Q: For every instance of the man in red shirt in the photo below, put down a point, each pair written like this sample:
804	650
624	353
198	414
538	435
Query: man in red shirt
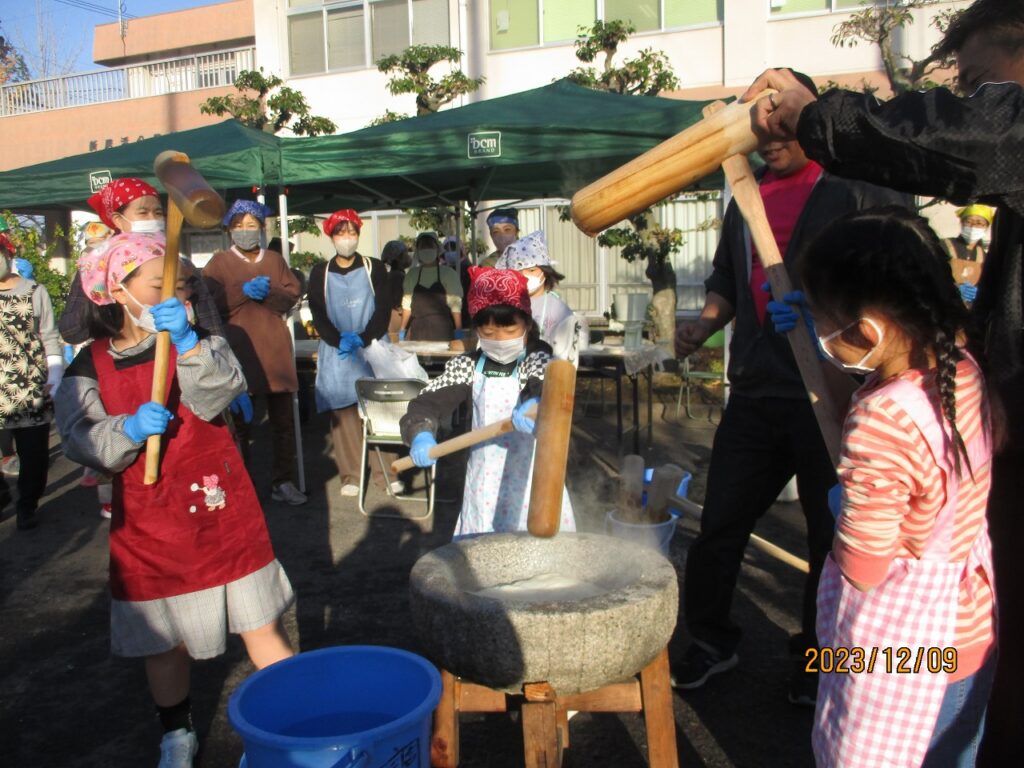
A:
768	432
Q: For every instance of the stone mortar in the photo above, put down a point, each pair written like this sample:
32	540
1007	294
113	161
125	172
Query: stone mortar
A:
575	645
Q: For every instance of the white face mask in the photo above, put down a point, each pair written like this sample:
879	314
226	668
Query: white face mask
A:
145	319
501	242
859	366
148	226
346	246
504	351
534	283
427	255
973	234
5	267
246	239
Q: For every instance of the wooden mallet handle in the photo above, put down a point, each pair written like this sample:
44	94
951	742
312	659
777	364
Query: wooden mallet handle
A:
666	169
190	199
554	425
466	440
747	194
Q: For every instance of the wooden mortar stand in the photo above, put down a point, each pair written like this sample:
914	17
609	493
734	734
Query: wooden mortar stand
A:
746	193
544	711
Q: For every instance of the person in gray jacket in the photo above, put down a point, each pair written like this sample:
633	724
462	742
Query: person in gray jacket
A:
768	432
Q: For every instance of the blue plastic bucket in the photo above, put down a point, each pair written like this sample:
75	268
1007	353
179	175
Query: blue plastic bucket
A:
359	706
657	536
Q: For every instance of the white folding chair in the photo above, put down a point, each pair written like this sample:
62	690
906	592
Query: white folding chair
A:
382	403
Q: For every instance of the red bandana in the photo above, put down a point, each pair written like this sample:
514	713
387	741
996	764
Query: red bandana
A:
489	287
7	245
346	214
116	195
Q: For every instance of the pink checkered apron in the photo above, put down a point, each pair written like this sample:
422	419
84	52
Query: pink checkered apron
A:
882	717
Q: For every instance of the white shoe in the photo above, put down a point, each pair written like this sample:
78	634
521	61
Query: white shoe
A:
178	749
396	486
289	494
348	489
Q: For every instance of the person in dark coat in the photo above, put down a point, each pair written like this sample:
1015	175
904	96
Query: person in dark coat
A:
962	148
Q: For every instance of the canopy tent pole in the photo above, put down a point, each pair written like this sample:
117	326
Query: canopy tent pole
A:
282	212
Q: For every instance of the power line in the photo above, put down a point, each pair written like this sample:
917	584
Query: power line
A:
94	8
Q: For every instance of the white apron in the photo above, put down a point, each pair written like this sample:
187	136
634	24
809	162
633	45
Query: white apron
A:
499	472
886	718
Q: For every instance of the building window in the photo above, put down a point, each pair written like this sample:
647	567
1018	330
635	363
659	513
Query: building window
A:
329	35
792	7
524	23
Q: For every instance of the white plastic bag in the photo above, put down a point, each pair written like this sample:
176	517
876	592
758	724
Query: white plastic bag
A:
390	362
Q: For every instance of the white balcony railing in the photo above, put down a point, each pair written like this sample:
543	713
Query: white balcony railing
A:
154	78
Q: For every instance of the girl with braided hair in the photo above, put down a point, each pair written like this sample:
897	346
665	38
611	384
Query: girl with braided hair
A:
908	586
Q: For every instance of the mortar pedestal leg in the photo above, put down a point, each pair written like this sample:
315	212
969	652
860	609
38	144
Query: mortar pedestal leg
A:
656	691
444	741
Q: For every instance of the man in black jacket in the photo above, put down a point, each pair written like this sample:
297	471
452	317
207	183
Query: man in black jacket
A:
962	149
768	432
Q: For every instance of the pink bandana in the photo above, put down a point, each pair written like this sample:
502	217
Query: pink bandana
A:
104	267
490	287
116	195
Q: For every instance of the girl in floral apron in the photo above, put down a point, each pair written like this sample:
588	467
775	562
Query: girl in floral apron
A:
502	379
190	557
906	599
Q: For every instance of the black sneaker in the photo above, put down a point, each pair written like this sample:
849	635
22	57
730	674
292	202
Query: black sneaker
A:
27	520
698	665
803	686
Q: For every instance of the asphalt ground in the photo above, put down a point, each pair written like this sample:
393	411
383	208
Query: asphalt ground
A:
65	701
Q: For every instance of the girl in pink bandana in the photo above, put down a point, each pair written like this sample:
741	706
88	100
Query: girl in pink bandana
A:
190	557
503	378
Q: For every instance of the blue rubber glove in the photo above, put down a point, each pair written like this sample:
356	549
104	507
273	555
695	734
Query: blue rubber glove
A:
784	317
349	343
460	333
170	316
24	268
150	419
257	288
419	449
520	420
401	335
968	291
69	354
242	406
835	500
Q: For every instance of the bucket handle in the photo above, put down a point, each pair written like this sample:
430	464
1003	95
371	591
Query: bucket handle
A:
357	758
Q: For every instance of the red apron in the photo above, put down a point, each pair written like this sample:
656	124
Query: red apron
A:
200	525
885	717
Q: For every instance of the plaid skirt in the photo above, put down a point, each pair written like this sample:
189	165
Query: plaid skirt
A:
201	620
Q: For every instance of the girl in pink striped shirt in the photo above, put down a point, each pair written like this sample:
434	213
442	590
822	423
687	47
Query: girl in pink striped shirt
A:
905	602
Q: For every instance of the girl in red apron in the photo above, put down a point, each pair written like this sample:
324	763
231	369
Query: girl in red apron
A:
190	557
502	378
906	599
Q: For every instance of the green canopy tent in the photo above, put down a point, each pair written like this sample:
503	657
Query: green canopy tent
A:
545	142
232	158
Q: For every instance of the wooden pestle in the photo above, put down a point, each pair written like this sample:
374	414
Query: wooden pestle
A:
200	205
554	425
466	440
631	489
664	484
666	169
190	199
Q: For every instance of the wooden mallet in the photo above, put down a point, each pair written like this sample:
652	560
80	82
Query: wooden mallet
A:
666	169
189	199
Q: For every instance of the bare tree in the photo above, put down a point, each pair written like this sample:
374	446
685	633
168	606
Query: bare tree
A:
48	48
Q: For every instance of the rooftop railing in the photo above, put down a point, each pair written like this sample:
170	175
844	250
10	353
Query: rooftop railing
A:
154	78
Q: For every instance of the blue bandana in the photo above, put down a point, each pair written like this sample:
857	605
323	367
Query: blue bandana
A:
258	210
504	216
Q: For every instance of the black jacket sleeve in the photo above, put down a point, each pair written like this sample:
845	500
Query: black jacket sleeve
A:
439	399
722	279
928	143
73	324
378	325
324	327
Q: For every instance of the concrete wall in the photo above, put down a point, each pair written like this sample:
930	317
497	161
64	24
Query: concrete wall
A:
176	33
41	136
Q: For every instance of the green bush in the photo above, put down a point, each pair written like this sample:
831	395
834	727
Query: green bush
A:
32	245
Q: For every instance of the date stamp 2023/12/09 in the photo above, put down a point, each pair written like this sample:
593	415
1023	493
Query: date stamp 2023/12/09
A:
902	660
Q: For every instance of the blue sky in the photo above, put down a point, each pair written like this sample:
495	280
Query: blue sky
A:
73	24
